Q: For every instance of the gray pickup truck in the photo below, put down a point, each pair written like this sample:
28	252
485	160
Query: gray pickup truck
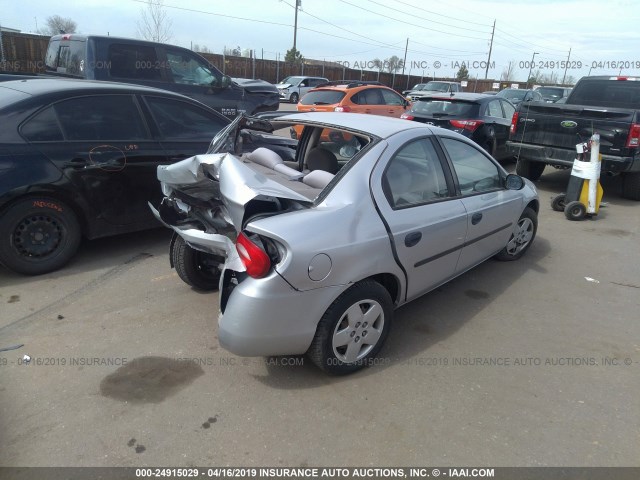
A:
546	133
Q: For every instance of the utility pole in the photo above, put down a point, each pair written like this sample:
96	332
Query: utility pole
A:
486	72
531	68
295	25
405	58
565	67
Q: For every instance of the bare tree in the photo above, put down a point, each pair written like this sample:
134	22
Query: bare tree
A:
509	71
57	24
154	24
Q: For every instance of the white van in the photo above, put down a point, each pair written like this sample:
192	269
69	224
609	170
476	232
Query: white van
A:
292	89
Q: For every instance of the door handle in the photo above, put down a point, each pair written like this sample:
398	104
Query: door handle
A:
77	163
475	218
412	239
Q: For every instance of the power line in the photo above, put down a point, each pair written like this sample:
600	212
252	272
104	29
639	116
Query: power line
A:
439	14
412	24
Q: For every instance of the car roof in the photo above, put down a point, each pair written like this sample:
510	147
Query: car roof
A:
377	125
38	86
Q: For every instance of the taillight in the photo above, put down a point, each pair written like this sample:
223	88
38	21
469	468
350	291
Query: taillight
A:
471	125
407	116
253	257
342	108
514	123
633	140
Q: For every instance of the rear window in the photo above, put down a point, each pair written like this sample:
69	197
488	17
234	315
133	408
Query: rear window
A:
607	93
445	107
322	97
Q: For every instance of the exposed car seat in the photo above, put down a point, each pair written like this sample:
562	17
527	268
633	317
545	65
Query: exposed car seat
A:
321	159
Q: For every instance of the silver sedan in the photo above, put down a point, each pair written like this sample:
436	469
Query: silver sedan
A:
313	256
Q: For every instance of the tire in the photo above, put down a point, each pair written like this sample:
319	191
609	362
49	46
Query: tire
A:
521	238
360	315
631	186
294	98
531	170
490	147
38	235
558	202
575	211
197	269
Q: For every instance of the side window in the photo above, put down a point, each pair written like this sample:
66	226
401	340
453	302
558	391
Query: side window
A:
414	176
476	173
370	96
179	120
509	109
190	70
70	58
101	117
43	127
391	98
134	61
494	110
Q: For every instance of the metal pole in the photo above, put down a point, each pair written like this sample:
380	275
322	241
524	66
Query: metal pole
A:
277	67
565	67
295	26
486	72
405	56
531	68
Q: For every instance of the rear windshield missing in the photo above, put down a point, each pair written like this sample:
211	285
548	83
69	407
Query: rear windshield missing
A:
446	107
322	97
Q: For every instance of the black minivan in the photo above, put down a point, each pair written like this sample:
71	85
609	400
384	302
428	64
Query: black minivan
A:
158	65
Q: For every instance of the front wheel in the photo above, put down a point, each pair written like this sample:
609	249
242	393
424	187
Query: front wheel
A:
38	235
521	238
197	269
353	329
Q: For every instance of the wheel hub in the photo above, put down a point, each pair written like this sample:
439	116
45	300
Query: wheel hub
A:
37	236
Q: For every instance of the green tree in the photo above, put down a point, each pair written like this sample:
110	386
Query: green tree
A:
463	73
293	56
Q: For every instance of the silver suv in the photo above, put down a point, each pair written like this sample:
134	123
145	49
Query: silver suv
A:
292	89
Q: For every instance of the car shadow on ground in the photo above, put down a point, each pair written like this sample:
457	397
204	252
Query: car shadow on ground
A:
424	322
102	253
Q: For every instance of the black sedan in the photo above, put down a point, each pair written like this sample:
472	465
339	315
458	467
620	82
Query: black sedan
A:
79	158
485	119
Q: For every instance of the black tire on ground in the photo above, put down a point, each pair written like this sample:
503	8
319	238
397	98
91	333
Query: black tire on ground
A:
361	315
575	211
523	235
490	147
197	269
631	185
558	202
294	98
38	235
528	169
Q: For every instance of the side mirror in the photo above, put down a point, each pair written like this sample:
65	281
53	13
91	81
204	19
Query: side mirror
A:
514	182
225	82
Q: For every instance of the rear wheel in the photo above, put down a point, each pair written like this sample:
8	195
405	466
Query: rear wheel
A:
558	202
490	147
294	98
521	238
197	269
38	235
353	329
528	169
631	186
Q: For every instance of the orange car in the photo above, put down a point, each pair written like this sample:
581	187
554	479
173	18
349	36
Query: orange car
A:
353	96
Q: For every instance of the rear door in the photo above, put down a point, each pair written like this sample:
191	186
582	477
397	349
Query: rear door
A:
491	210
106	150
426	224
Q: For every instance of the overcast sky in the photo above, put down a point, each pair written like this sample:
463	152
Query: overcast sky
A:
598	32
